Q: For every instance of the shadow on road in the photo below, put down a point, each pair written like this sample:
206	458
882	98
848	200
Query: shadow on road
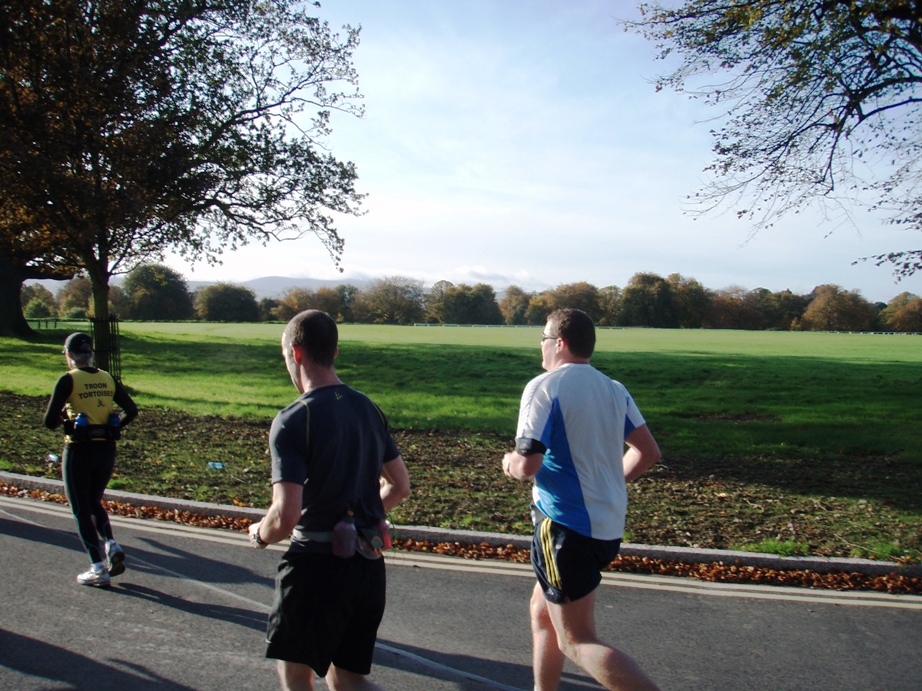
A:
231	615
451	667
194	565
42	660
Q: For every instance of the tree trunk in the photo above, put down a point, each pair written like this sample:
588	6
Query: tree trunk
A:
12	321
102	346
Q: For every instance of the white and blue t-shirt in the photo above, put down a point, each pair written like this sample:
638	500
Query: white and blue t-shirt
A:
580	418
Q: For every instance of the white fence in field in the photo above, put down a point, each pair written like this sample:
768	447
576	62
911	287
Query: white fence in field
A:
535	326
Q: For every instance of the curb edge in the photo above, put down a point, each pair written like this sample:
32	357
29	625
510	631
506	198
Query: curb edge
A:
691	555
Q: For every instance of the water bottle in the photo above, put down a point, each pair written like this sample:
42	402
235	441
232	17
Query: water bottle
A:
344	536
113	432
81	431
385	527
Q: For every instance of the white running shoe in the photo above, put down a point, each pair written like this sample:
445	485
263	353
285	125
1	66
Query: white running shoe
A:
98	576
115	558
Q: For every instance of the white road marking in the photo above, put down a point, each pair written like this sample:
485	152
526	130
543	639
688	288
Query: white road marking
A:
445	668
21	519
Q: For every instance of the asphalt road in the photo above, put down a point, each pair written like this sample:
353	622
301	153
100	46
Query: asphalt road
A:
190	613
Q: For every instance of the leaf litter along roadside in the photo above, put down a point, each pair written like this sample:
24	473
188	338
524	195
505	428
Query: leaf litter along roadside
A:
457	483
895	584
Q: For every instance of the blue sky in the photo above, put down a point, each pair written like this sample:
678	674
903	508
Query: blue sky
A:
521	142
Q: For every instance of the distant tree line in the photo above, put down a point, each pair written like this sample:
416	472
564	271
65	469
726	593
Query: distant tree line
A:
156	292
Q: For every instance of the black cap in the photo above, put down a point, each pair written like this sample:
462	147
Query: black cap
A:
79	343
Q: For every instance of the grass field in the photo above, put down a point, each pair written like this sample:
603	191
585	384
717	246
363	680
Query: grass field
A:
786	441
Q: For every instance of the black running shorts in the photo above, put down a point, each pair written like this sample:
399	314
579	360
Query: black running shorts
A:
568	565
327	610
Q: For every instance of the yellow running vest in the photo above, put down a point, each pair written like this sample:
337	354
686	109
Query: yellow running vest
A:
92	394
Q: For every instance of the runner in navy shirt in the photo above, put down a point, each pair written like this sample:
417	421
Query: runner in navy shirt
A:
335	470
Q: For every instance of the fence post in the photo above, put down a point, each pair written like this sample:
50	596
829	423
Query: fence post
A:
106	345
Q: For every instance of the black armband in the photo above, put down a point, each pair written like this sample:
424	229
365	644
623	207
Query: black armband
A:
525	446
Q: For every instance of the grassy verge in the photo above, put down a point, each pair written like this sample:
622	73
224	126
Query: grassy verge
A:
788	443
458	484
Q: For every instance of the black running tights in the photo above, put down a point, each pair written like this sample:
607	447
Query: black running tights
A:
87	467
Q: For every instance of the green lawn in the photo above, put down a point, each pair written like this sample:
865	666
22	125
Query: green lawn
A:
777	422
705	393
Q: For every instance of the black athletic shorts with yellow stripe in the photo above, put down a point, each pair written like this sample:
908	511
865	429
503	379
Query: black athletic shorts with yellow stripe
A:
568	565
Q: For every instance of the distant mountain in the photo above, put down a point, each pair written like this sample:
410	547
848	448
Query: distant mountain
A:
269	286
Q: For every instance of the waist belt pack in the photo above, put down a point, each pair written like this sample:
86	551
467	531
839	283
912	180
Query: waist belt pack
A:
80	433
371	542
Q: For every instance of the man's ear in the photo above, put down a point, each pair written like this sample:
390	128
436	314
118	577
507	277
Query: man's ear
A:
297	354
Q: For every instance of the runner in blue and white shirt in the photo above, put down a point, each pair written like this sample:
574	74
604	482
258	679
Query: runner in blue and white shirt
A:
574	424
581	418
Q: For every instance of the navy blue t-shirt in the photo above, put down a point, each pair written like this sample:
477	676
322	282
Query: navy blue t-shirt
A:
333	441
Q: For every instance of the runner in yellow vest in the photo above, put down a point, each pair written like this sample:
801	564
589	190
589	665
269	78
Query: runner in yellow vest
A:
84	401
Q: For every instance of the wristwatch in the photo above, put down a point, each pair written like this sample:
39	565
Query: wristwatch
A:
257	540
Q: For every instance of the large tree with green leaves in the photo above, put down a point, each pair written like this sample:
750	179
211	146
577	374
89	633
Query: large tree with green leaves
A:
155	292
836	309
514	304
227	302
822	99
464	304
434	301
648	300
390	300
38	302
692	300
75	298
582	296
903	313
128	127
609	305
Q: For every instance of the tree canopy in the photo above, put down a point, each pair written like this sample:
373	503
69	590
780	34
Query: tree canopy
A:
513	305
391	300
26	252
297	300
835	309
648	300
156	292
822	102
226	302
463	304
198	125
903	313
75	298
38	302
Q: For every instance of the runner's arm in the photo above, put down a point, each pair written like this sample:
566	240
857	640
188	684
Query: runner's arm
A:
54	414
522	467
125	402
642	453
283	514
395	483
